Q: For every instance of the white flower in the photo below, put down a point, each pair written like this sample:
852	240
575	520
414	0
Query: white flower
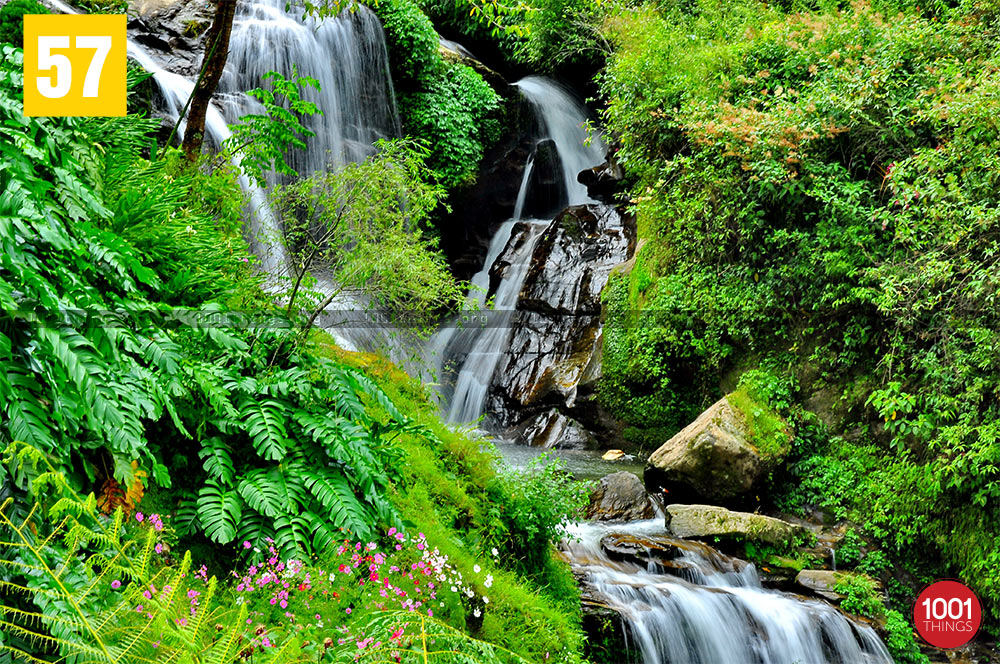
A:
477	613
477	569
489	580
494	551
486	600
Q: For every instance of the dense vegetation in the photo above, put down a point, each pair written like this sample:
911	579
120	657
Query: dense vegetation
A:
815	186
142	418
817	192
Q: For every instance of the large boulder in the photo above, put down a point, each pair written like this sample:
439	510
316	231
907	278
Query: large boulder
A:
710	521
620	496
711	458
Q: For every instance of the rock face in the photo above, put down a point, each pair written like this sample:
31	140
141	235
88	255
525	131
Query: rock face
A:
708	459
554	351
603	182
172	30
477	211
700	521
820	581
620	497
552	429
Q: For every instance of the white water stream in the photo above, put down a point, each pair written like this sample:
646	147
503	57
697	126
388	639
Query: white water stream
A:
716	611
564	120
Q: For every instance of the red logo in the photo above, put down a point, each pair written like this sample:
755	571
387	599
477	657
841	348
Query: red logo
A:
947	614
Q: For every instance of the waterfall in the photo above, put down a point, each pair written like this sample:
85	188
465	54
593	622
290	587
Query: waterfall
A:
346	54
564	120
715	610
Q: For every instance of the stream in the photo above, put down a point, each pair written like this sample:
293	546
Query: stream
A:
523	370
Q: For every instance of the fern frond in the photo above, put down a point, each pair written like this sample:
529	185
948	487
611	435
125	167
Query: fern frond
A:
219	511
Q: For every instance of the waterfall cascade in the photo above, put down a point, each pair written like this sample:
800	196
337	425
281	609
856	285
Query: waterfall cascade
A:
716	611
712	609
347	55
563	120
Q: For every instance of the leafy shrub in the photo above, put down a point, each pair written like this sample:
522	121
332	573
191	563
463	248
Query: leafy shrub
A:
535	505
455	114
12	23
818	191
446	104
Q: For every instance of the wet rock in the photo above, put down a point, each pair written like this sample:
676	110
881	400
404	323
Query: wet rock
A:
700	521
613	455
823	581
667	555
708	459
552	429
555	344
603	182
479	209
820	582
620	497
546	192
172	31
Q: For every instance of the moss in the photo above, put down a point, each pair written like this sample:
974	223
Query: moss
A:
766	430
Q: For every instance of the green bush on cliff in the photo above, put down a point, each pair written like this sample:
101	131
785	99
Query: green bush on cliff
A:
446	104
12	19
818	192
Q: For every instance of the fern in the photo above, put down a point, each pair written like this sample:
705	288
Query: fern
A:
75	615
418	639
217	461
263	421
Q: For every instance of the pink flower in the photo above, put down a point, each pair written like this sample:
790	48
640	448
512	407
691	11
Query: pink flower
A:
116	584
138	517
246	545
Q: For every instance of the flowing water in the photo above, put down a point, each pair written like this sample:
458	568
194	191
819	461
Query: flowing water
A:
713	609
478	350
716	612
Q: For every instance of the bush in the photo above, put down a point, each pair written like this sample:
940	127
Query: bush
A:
446	104
818	191
11	19
456	114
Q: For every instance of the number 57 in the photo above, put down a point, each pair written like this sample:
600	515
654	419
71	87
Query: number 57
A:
63	76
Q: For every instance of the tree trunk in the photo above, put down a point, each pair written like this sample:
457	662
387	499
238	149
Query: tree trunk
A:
216	53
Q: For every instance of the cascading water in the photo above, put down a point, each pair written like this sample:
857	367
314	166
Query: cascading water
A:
563	120
713	609
345	54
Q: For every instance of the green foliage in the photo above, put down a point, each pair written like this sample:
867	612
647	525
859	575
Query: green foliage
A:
239	421
818	192
168	380
95	594
422	640
766	430
11	22
362	224
261	141
456	114
849	551
446	104
537	502
862	597
559	33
